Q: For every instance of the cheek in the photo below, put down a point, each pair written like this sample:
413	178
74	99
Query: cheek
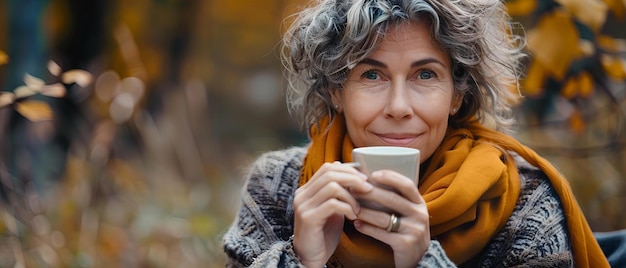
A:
358	117
436	117
360	111
434	112
434	140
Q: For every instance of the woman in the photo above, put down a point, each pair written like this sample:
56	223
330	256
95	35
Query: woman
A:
433	75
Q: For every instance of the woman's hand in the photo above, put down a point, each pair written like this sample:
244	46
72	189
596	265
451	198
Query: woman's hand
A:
412	238
320	207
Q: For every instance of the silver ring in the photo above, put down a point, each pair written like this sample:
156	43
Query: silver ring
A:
394	223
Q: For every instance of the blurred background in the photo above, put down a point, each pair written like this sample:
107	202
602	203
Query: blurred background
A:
126	127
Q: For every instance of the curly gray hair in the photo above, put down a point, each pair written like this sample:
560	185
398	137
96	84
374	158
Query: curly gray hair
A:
329	37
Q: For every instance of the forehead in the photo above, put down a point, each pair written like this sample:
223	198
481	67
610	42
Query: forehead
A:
410	33
409	41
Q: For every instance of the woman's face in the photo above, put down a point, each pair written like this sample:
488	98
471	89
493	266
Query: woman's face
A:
402	94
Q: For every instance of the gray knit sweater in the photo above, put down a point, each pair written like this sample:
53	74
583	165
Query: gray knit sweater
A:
535	235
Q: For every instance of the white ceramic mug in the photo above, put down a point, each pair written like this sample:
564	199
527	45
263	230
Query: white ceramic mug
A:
400	159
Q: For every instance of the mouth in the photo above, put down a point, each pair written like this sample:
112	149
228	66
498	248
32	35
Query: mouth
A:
398	139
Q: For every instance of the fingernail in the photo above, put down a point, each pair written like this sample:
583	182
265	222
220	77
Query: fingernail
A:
368	186
362	175
358	224
377	173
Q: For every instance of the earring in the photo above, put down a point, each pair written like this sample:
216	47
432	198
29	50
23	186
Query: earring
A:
453	111
336	107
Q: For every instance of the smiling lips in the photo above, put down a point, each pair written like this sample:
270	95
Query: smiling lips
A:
398	139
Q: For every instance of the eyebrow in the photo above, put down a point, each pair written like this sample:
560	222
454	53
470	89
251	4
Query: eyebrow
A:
380	64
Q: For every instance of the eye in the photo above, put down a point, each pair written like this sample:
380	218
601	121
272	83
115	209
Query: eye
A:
370	74
426	74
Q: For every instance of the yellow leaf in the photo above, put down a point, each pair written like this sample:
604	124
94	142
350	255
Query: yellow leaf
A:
590	12
112	240
23	91
585	84
4	58
611	44
570	89
623	68
554	42
521	8
535	77
576	122
56	90
613	66
6	98
579	85
80	77
34	110
33	83
54	68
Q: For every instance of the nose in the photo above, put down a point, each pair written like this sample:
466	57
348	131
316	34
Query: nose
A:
398	102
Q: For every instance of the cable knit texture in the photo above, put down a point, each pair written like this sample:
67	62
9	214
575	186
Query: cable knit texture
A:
260	236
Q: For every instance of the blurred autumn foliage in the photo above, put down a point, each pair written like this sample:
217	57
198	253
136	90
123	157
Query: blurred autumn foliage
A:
575	88
126	126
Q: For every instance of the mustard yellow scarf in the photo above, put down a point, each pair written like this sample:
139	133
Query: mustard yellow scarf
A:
471	186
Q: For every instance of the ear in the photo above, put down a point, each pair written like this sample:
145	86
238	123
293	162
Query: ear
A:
335	97
457	101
